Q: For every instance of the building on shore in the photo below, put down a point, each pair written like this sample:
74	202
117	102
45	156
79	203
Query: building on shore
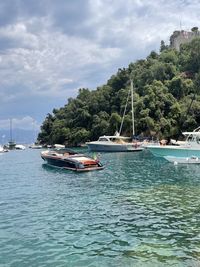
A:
182	37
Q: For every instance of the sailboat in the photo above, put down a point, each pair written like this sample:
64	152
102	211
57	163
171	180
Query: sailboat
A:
11	143
117	143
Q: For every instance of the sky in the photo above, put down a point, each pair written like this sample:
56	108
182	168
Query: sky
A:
51	48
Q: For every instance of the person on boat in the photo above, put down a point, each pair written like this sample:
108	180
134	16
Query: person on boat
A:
163	142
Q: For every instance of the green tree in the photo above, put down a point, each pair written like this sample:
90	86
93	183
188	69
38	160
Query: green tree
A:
166	100
114	121
163	46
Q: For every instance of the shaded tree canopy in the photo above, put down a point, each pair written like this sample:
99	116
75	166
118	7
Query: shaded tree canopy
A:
164	86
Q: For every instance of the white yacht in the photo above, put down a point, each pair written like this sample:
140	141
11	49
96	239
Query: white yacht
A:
188	149
114	143
117	143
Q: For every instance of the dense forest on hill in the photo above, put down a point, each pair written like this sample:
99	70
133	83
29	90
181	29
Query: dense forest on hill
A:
166	100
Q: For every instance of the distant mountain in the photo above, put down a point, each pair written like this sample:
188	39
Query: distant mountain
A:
20	136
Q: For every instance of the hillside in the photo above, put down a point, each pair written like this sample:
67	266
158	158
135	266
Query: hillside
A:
166	100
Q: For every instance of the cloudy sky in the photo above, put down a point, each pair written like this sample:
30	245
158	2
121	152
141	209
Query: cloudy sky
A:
51	48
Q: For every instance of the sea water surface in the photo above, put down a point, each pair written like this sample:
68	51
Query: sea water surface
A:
138	211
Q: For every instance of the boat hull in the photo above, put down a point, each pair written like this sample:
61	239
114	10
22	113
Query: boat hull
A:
103	147
175	151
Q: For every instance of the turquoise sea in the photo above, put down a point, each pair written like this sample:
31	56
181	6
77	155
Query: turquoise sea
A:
139	211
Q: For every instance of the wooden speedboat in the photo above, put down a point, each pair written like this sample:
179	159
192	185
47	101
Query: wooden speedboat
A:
70	160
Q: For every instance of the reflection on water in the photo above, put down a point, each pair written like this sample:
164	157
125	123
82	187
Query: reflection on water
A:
138	211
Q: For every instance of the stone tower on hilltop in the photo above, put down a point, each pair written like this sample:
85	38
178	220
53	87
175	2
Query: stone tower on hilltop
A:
182	37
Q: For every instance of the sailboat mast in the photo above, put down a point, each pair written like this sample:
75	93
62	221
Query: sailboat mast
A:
11	130
133	122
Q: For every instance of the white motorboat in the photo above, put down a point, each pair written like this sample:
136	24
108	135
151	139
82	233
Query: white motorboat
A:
114	143
58	146
117	143
2	149
34	146
189	149
20	147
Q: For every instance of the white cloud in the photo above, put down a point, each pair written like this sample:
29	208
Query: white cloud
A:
18	34
51	61
47	54
25	123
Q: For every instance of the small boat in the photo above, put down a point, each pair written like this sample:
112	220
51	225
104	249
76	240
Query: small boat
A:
70	160
58	146
20	147
183	160
2	149
11	144
34	146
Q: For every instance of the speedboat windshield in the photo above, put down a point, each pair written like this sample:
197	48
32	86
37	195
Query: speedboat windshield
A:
104	139
64	150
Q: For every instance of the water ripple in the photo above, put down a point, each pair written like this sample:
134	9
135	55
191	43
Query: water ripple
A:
139	211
